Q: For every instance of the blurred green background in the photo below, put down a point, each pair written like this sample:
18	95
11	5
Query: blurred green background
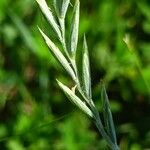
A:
36	115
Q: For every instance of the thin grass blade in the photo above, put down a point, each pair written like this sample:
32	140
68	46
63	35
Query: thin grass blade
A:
49	16
108	119
57	5
57	53
61	7
74	99
64	8
74	28
86	70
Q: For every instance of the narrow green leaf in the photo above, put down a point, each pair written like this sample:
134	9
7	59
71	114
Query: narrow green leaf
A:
57	6
61	7
73	98
109	124
64	8
49	16
74	28
57	53
86	70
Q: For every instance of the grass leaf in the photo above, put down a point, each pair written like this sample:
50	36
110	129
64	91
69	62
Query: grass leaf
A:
49	16
61	7
74	28
57	6
86	70
73	98
64	8
109	124
57	53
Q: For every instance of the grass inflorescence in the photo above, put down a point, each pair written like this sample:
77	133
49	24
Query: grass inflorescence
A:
67	58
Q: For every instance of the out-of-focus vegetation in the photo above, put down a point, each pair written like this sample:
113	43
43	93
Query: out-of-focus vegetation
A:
36	115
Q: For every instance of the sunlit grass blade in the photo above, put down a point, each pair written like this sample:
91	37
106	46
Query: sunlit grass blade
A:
64	8
74	99
74	28
57	53
61	7
108	119
49	16
86	70
57	6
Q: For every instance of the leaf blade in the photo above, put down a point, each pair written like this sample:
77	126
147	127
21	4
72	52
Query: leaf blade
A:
74	28
61	7
57	53
49	16
64	8
73	98
108	119
57	5
86	70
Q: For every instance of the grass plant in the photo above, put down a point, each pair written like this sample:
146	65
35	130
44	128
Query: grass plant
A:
81	93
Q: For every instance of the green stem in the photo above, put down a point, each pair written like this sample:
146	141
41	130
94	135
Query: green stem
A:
100	127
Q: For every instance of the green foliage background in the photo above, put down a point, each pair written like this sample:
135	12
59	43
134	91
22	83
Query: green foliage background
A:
36	115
